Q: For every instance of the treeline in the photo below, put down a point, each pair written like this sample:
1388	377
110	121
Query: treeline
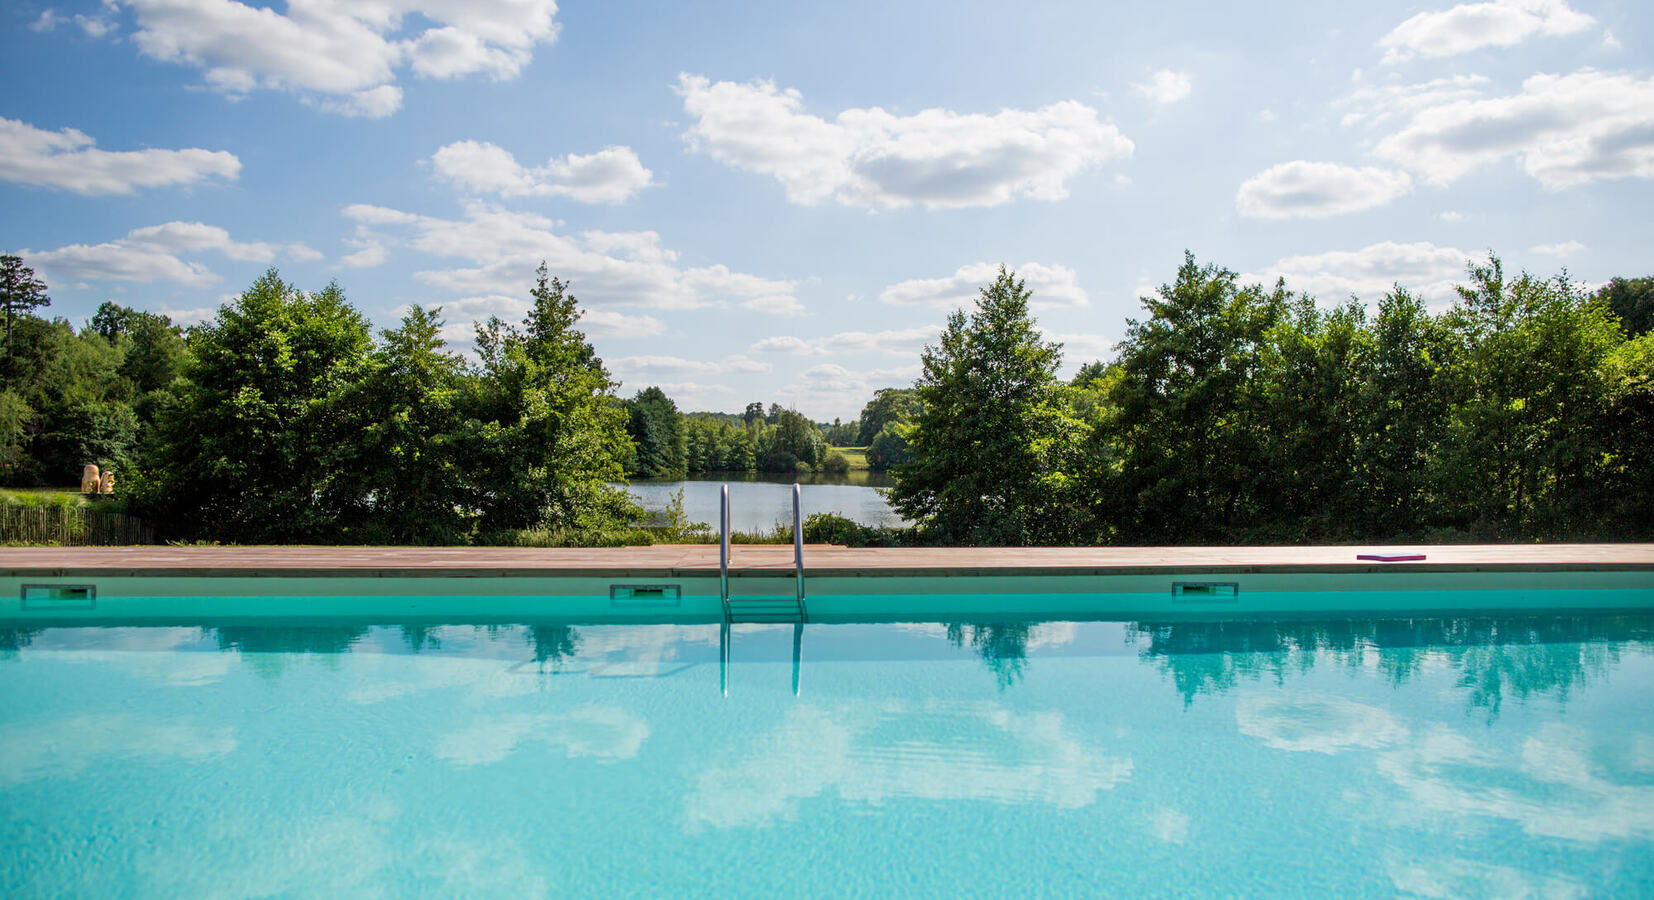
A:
283	420
1247	414
670	444
1232	413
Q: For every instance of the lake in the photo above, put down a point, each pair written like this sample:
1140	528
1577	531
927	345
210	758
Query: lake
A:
757	501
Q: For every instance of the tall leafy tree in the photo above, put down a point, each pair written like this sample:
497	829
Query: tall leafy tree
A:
990	443
1179	457
410	479
253	451
658	437
1632	299
21	291
552	434
1400	418
888	405
1529	389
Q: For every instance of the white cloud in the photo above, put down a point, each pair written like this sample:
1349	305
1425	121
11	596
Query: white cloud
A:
609	734
1375	105
369	253
829	389
344	55
1564	248
66	159
603	268
611	175
1566	130
1052	287
1426	270
95	26
1165	86
1472	26
871	158
894	342
634	368
153	253
1303	189
1450	215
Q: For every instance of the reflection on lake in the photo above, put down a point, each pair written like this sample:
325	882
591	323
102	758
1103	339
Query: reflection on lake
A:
757	501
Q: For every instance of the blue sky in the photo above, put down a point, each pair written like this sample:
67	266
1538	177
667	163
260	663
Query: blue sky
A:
763	202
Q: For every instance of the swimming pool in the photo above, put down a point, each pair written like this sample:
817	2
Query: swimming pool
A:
181	746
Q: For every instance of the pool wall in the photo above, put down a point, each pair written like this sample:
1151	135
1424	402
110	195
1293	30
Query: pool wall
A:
693	597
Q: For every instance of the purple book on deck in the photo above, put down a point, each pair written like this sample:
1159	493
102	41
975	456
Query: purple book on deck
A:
1390	557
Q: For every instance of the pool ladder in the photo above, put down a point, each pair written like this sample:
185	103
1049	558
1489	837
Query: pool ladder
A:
763	608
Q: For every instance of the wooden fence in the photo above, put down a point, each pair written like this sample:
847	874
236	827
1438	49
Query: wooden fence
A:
64	526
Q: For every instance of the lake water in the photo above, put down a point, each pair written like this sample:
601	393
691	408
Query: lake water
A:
758	501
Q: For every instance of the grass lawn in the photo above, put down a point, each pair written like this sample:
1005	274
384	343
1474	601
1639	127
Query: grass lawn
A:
42	496
856	455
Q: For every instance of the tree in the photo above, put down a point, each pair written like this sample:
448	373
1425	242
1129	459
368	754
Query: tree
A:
1177	460
411	477
20	291
889	448
1632	299
1528	384
255	448
658	437
991	447
551	436
888	405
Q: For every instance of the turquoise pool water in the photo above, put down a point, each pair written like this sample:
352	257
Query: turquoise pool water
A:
1432	757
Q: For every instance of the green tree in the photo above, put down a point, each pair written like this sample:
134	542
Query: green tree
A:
991	446
1529	390
1179	456
889	448
552	434
658	436
411	477
1402	414
21	292
1632	299
888	405
253	451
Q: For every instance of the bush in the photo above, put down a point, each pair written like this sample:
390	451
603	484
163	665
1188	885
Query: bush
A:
831	528
836	463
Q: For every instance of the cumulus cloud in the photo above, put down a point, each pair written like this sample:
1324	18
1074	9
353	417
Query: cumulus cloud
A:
1303	189
68	160
611	175
1565	129
1563	248
1052	286
1428	271
1165	86
370	252
1472	26
1374	105
872	158
344	56
154	253
605	268
892	342
636	367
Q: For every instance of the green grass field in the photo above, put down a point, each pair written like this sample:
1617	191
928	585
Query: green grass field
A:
856	455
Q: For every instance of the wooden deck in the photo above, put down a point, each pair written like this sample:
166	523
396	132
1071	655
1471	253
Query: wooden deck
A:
819	560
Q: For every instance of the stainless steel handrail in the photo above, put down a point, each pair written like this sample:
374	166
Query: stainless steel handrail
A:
798	544
723	549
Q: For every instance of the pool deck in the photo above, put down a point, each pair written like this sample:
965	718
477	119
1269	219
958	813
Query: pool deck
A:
756	560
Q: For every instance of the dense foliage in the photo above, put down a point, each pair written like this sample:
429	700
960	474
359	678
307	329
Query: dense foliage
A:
1232	413
1244	414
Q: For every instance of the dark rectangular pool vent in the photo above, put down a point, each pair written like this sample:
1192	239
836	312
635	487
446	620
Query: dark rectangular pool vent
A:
60	596
645	595
1205	592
